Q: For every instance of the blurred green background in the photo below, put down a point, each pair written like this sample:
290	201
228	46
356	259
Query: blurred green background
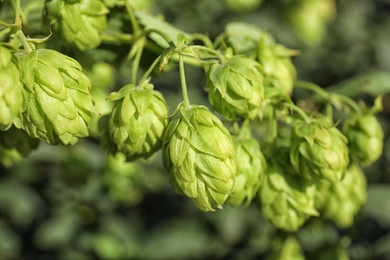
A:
77	203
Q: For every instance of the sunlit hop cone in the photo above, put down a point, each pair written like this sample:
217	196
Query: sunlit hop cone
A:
251	166
199	155
236	87
138	120
318	151
365	135
80	22
286	200
341	200
59	106
12	94
279	71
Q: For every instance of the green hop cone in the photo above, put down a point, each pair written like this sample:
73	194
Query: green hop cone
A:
286	200
279	71
286	249
12	94
365	136
251	166
138	121
199	156
80	22
318	151
59	106
341	200
236	87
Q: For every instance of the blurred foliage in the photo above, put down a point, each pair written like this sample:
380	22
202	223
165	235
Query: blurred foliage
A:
75	203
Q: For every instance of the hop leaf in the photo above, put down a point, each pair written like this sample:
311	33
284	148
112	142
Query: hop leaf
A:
236	87
286	200
318	151
12	94
199	156
59	106
341	200
251	166
365	136
138	121
80	22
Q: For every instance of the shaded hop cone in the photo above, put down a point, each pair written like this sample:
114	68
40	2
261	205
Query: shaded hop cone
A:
138	121
12	95
59	107
318	151
365	136
286	200
80	22
341	200
251	166
236	88
199	156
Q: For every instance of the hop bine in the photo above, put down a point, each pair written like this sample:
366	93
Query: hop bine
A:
365	135
138	121
59	107
318	151
236	87
12	95
199	156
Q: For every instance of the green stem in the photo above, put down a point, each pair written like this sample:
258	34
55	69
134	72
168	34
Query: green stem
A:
313	87
162	34
149	71
348	101
206	40
301	113
24	41
140	47
18	18
212	51
183	83
133	20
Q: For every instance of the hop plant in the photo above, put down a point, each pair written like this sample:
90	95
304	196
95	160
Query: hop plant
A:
80	22
236	87
251	166
318	151
341	200
285	199
59	106
199	156
138	120
12	94
286	249
365	136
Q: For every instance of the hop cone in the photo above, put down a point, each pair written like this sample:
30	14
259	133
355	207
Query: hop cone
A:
138	121
59	106
236	87
199	155
286	200
12	96
251	166
341	200
80	22
286	249
318	151
365	136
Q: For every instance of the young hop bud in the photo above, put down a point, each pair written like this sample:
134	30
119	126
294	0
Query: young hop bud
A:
251	166
365	136
138	121
199	156
80	22
341	200
12	94
285	199
59	106
236	87
318	151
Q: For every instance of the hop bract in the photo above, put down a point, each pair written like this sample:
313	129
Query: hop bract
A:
12	95
365	135
286	200
236	87
341	200
138	121
199	155
318	151
251	166
80	22
59	106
